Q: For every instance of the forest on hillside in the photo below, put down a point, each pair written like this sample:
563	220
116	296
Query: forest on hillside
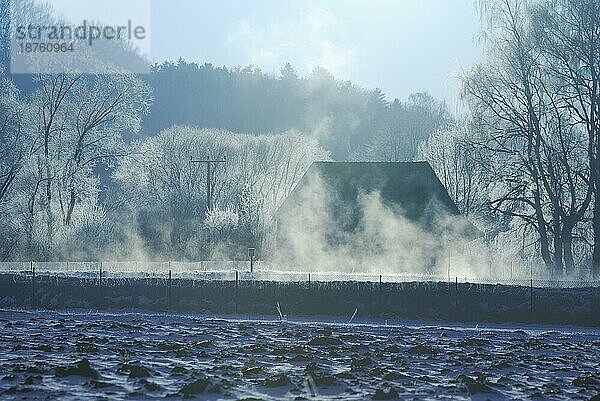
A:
349	121
98	165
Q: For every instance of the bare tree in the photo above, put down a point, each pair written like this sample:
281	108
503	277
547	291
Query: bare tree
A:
259	174
49	101
569	36
101	109
449	154
13	135
526	140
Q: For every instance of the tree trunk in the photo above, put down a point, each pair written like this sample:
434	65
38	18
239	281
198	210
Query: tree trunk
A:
596	227
543	232
568	251
71	207
545	249
49	217
557	266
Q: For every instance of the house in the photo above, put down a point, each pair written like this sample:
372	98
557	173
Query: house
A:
391	212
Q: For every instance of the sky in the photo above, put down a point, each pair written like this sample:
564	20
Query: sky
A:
400	46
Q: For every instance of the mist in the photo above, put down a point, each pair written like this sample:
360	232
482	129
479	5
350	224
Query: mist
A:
121	186
318	233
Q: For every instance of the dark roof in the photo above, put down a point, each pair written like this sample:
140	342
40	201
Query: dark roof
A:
410	188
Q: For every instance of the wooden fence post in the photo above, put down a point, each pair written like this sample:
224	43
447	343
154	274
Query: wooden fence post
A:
456	297
169	286
237	281
32	266
531	297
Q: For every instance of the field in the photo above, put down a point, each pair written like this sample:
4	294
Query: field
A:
86	334
139	356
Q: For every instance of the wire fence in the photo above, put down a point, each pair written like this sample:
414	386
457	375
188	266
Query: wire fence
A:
263	271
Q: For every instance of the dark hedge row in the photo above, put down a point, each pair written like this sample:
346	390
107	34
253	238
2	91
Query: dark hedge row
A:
441	301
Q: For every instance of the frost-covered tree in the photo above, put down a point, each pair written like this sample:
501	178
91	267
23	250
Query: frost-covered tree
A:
527	136
568	35
449	153
13	134
167	194
101	110
14	149
52	145
405	128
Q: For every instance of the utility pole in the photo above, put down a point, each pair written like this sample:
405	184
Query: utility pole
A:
252	255
209	175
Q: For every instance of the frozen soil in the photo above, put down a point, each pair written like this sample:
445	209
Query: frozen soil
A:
140	356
